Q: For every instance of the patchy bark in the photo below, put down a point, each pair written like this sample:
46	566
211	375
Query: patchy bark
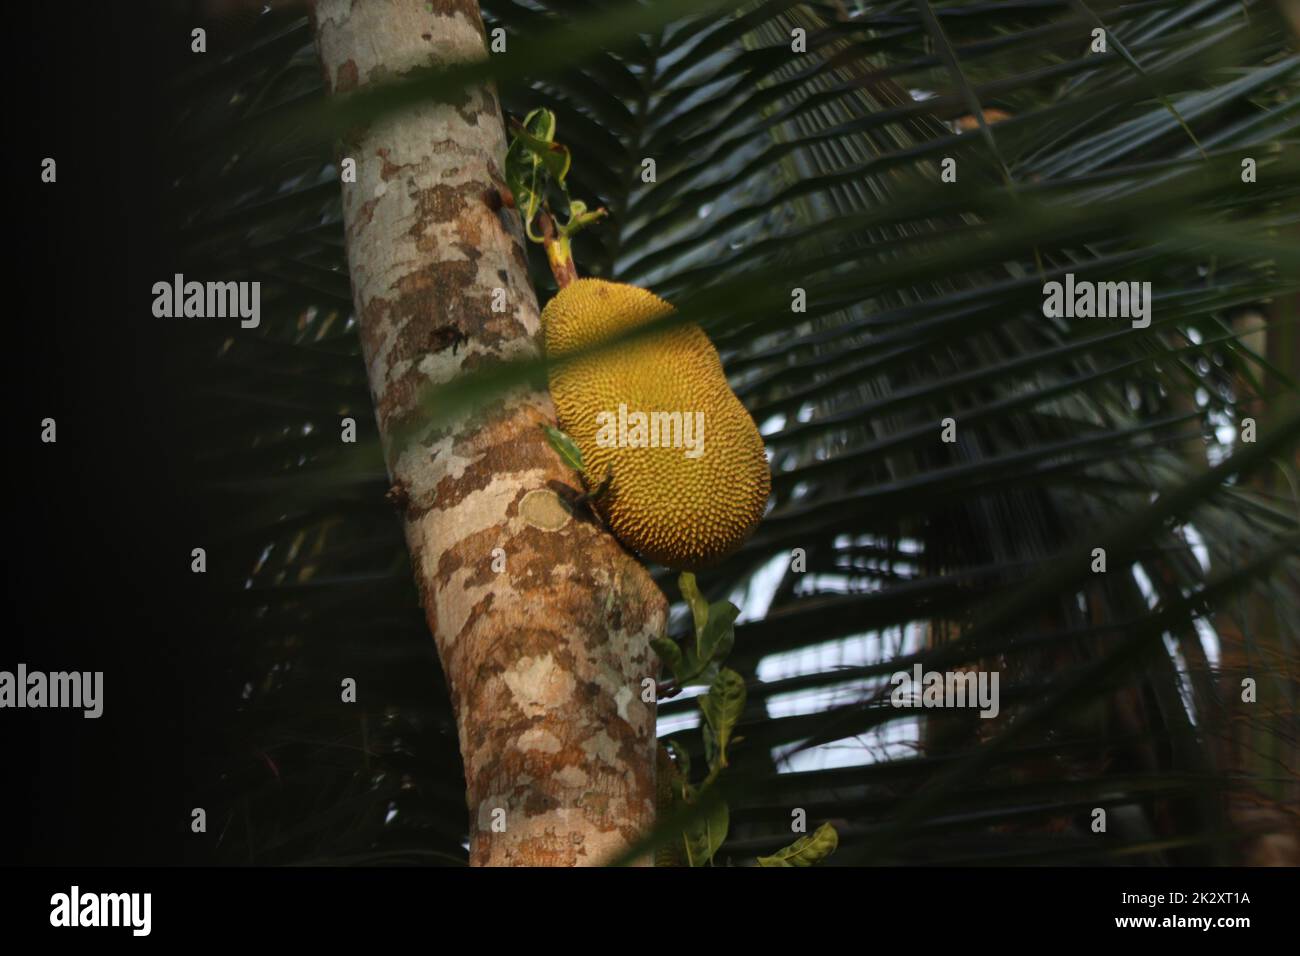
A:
1257	745
545	658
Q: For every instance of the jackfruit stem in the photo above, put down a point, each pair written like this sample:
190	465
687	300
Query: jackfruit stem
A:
559	254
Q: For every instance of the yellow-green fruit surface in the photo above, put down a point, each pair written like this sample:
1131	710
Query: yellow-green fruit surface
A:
684	512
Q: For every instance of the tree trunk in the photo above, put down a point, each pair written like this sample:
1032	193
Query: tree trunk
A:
541	619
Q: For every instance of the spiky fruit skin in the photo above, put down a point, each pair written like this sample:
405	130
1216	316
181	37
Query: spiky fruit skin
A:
685	513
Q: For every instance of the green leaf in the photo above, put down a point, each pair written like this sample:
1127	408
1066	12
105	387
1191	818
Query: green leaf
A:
538	130
696	671
580	217
806	851
522	178
686	667
710	737
670	654
537	136
705	835
694	599
553	158
722	707
565	447
534	162
714	643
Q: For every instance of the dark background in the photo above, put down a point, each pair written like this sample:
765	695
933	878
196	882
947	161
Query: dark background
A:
100	527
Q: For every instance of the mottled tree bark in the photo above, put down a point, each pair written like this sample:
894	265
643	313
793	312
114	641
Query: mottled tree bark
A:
1257	744
546	657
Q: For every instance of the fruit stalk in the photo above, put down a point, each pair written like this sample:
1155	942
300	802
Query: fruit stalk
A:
559	252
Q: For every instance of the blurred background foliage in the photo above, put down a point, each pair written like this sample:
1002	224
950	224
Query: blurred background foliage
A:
819	170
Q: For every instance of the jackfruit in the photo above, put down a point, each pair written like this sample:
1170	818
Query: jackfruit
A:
688	476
